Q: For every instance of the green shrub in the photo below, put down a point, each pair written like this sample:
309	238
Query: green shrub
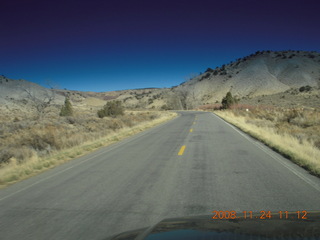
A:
66	109
305	88
111	109
228	100
165	107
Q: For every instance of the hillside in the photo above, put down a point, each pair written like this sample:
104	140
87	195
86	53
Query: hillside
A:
18	90
21	98
259	78
262	73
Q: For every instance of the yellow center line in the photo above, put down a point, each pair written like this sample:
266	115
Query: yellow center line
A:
182	150
191	130
194	122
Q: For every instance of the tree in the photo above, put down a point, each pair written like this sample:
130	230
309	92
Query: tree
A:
40	101
228	100
172	101
66	109
182	95
111	109
182	98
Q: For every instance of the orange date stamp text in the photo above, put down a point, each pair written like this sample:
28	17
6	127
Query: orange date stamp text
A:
264	215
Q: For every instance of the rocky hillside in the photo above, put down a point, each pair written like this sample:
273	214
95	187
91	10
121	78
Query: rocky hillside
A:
262	73
19	90
21	97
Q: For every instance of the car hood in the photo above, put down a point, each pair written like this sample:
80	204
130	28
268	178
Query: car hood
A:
204	227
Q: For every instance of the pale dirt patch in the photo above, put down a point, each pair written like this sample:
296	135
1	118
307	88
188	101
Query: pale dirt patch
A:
91	101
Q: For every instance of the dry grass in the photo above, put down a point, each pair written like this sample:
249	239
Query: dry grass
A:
294	133
28	147
207	107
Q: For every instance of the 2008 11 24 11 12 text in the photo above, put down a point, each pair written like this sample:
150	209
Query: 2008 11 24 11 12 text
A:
260	215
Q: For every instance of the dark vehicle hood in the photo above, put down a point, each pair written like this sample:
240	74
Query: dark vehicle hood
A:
204	227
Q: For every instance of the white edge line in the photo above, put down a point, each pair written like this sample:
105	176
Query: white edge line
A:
271	153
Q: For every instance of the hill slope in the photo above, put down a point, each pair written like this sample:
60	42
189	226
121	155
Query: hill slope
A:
251	77
262	73
22	97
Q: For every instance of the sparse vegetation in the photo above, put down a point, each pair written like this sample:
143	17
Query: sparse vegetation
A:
111	109
294	133
28	146
207	75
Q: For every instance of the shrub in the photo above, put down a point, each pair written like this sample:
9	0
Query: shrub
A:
165	107
223	72
205	76
6	155
228	100
66	109
305	88
111	109
289	116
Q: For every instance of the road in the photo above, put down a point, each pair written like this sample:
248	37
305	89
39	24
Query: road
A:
151	176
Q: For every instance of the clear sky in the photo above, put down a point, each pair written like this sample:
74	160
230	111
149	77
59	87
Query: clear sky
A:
105	45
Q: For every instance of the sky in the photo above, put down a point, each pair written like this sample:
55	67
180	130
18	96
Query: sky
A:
107	45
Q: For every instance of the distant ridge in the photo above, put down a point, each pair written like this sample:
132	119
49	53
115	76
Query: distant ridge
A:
262	73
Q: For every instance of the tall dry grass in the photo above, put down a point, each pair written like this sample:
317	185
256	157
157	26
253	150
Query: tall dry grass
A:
293	132
30	146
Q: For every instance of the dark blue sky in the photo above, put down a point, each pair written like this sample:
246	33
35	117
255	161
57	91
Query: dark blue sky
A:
104	45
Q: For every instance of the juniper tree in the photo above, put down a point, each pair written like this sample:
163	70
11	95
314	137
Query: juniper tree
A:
66	109
228	100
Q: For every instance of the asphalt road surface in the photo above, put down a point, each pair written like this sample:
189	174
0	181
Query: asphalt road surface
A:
192	165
